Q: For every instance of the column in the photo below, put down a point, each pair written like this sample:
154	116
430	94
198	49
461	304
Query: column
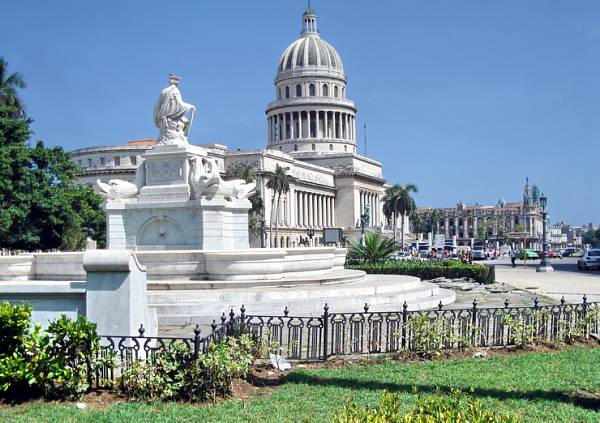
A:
447	226
327	212
280	120
292	126
320	208
334	116
333	211
300	134
326	126
304	210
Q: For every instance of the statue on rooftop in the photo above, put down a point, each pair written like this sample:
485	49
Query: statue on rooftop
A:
172	116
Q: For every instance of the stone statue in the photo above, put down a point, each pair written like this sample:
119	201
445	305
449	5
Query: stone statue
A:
364	218
170	115
118	189
204	177
206	180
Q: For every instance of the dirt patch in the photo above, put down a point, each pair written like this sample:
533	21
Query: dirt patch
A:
96	400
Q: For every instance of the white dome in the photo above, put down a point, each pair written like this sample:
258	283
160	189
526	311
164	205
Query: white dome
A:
310	54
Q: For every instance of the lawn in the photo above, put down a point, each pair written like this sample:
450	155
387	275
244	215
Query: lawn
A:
556	386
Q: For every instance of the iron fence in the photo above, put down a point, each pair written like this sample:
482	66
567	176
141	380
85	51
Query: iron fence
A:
317	338
125	350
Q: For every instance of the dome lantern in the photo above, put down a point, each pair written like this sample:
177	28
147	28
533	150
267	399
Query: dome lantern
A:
309	22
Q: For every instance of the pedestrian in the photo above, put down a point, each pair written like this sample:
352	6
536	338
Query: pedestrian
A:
513	258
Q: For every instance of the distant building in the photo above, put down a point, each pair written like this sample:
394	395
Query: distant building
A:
492	223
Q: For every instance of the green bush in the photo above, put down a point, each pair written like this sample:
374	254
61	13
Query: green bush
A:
436	408
174	374
14	324
57	363
374	247
428	269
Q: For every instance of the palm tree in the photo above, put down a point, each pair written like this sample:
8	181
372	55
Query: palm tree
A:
375	247
8	89
434	218
397	201
279	183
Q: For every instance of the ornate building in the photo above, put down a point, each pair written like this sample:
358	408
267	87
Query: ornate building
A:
311	131
492	223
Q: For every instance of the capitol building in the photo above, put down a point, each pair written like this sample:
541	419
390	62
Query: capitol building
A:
311	132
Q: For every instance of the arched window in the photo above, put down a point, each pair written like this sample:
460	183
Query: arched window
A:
311	90
287	92
298	90
314	147
345	148
335	91
278	93
325	90
330	147
343	92
295	147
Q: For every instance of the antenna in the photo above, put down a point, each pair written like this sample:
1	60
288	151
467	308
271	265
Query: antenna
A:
365	137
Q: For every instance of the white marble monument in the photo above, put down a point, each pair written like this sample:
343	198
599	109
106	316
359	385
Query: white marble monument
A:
178	200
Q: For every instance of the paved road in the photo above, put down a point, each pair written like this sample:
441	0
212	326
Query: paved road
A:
566	280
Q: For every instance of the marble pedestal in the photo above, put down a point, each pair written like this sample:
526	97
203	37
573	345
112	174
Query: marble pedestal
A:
167	216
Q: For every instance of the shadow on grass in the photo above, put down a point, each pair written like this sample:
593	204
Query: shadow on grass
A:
582	400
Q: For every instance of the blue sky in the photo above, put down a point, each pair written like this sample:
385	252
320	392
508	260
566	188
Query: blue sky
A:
463	98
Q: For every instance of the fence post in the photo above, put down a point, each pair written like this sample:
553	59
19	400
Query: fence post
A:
230	324
473	321
243	319
196	341
325	330
404	320
535	303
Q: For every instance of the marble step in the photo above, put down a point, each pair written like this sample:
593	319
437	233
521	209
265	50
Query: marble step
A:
338	276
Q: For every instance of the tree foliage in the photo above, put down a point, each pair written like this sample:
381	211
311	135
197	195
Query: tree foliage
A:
41	207
8	90
375	247
592	238
398	202
279	183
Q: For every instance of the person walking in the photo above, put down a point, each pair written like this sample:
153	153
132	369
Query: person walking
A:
513	258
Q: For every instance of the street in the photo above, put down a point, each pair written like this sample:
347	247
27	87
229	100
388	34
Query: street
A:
566	280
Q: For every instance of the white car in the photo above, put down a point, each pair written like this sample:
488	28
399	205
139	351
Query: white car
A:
589	259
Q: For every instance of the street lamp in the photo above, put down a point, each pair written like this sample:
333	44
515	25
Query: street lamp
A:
310	232
545	265
262	233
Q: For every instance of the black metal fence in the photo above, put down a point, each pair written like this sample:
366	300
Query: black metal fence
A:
125	350
343	334
318	338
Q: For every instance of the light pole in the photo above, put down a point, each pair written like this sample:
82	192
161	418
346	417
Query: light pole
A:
545	265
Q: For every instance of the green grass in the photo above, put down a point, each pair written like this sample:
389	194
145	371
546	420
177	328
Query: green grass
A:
535	386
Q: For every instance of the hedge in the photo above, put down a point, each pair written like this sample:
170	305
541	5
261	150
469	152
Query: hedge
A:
428	270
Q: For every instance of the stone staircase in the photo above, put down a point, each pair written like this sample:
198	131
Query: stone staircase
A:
188	303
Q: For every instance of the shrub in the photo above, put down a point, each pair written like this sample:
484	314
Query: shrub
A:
175	374
428	269
436	408
58	363
375	247
14	324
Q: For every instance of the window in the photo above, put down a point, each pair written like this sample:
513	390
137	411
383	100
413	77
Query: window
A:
287	92
311	90
278	93
335	91
325	90
345	148
295	147
133	160
343	92
102	161
330	147
117	161
89	162
298	90
314	147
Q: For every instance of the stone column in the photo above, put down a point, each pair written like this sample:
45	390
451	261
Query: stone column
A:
292	127
335	120
447	226
300	132
304	210
317	124
327	212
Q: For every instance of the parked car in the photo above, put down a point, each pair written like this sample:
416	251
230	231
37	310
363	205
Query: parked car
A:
530	254
479	253
554	254
589	260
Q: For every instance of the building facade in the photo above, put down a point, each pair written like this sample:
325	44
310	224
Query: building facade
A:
311	131
492	223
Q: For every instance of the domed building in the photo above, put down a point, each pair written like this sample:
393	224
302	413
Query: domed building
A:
312	133
311	112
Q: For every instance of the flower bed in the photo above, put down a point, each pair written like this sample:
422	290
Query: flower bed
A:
428	270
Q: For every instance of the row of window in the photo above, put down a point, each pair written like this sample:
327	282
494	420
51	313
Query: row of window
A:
312	91
116	161
314	147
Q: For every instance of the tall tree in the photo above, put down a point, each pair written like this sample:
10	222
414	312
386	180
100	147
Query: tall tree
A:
434	218
398	202
279	183
41	207
9	83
